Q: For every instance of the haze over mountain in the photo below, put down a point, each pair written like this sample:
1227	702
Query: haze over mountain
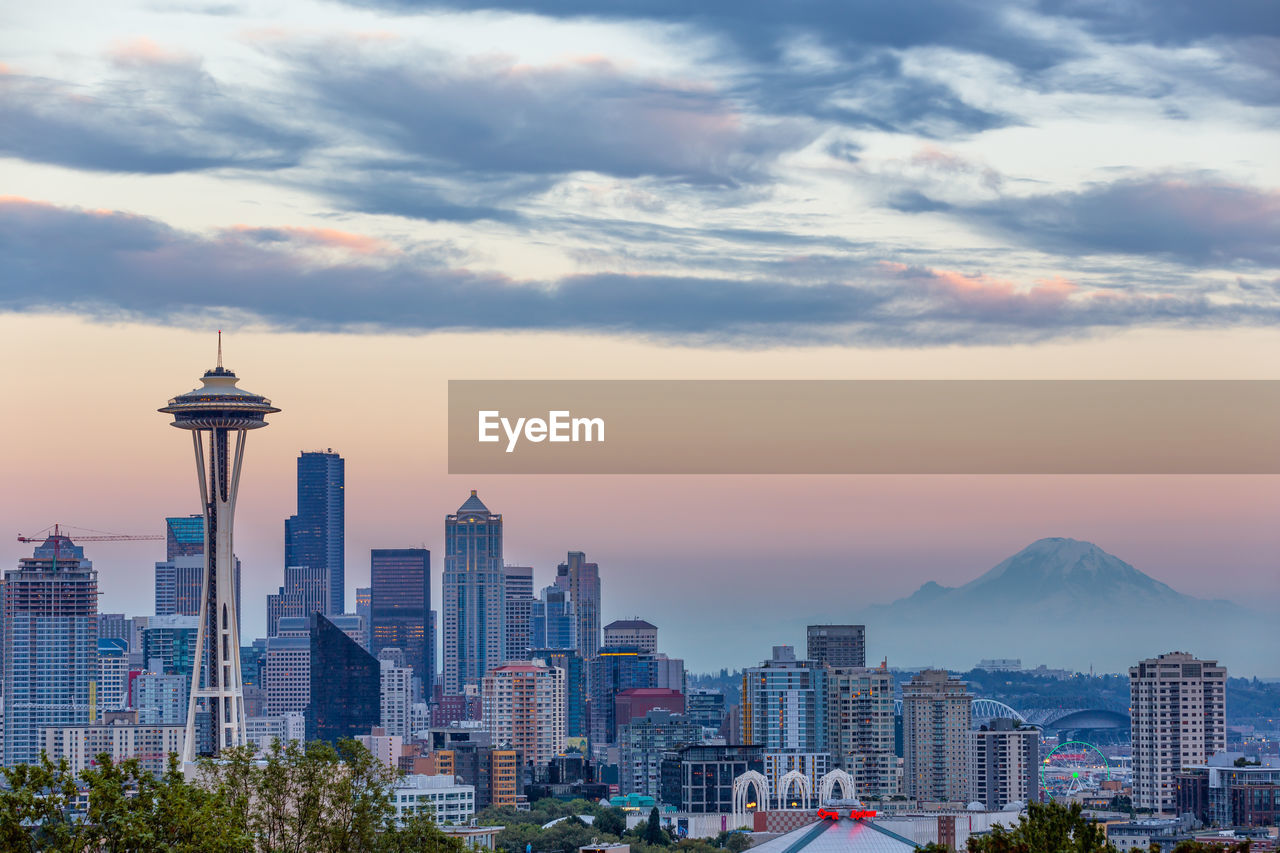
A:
1068	603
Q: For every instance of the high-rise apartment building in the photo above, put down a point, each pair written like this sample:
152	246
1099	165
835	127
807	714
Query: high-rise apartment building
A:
632	632
1004	760
1178	711
937	712
523	708
305	591
346	685
286	675
860	722
316	536
161	698
473	595
551	623
400	607
784	704
396	693
517	583
582	580
838	645
50	645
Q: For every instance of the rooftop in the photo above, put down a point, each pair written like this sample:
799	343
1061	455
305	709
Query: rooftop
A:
838	836
630	623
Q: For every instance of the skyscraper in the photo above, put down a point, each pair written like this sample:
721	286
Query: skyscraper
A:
517	583
346	685
575	686
316	536
50	645
221	410
936	715
551	621
1178	706
838	645
400	606
305	591
473	594
582	580
184	536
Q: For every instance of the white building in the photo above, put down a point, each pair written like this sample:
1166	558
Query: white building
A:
286	675
397	696
1178	711
263	731
442	797
113	676
118	734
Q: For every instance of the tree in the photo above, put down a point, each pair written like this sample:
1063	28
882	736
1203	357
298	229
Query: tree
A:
1048	828
611	821
653	833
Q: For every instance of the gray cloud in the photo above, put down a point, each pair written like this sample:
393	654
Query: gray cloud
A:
111	265
496	117
159	114
1192	220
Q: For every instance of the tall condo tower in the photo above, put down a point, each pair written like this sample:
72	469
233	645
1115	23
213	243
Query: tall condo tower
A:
218	411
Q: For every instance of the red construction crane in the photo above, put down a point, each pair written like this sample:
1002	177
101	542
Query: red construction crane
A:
58	536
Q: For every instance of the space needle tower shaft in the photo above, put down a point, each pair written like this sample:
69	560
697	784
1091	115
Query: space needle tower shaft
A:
219	416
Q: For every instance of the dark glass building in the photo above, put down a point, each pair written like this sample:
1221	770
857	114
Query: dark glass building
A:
346	684
699	779
400	607
316	536
615	669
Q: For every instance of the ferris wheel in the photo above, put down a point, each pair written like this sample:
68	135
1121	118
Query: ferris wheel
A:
1071	767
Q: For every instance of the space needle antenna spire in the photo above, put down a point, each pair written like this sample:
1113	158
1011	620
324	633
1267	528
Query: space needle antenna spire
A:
223	414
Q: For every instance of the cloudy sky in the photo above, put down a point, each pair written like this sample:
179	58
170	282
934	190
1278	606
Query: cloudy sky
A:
375	197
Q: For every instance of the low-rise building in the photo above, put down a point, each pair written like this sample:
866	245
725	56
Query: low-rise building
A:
442	797
120	735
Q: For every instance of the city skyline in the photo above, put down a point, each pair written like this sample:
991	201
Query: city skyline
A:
671	616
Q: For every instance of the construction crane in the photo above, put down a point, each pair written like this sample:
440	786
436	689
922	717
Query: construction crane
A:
98	536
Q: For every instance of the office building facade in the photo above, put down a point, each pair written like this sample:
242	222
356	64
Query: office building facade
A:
305	591
699	779
552	624
316	536
474	603
632	632
643	742
517	588
400	607
582	581
838	645
346	684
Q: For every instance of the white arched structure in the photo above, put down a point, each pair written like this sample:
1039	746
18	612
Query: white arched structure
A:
827	786
741	796
795	779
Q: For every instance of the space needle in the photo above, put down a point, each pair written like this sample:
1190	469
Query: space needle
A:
217	410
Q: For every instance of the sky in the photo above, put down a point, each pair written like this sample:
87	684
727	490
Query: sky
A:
372	198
